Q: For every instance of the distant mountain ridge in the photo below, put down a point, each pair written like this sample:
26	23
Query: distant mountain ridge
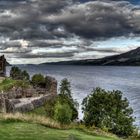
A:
131	58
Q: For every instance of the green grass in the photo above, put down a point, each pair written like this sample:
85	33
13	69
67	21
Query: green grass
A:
29	131
7	84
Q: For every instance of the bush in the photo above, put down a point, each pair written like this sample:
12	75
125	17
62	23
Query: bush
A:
108	109
38	80
63	113
50	107
23	84
73	105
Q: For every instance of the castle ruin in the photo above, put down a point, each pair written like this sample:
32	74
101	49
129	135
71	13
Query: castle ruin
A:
24	100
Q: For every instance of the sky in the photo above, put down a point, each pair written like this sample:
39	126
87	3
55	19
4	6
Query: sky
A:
39	31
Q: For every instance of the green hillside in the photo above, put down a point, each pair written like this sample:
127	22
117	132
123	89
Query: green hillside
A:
29	131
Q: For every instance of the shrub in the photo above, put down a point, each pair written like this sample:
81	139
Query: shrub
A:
63	113
50	107
64	99
22	83
108	109
38	80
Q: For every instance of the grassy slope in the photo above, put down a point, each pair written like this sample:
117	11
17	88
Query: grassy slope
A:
28	131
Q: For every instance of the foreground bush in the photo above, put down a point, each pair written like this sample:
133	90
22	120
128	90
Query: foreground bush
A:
109	111
63	113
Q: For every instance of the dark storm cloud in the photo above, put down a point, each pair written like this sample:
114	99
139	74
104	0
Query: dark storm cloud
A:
100	19
39	19
21	19
68	26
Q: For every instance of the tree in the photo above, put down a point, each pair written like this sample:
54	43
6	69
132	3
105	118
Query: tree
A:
25	75
38	80
15	73
65	96
108	109
63	113
18	74
65	88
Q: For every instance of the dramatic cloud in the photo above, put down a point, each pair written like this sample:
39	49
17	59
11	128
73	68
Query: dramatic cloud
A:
35	31
99	19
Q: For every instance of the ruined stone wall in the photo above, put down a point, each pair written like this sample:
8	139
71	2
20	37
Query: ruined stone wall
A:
28	99
25	105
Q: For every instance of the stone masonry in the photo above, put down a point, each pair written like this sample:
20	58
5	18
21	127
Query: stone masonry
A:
19	100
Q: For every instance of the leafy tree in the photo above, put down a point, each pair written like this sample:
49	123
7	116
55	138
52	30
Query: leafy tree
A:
18	74
15	73
38	80
65	96
108	109
63	113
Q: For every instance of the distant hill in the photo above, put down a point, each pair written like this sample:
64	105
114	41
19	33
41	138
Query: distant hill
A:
131	58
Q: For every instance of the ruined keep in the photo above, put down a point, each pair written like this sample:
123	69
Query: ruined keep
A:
2	66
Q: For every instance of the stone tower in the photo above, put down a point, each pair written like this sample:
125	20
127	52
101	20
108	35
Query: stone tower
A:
2	66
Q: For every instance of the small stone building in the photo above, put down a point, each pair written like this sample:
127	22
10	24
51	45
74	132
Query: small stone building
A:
2	66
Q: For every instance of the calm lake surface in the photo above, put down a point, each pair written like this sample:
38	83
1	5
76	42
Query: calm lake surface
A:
84	78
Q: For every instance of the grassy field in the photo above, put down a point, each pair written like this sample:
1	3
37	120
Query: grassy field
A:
29	131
